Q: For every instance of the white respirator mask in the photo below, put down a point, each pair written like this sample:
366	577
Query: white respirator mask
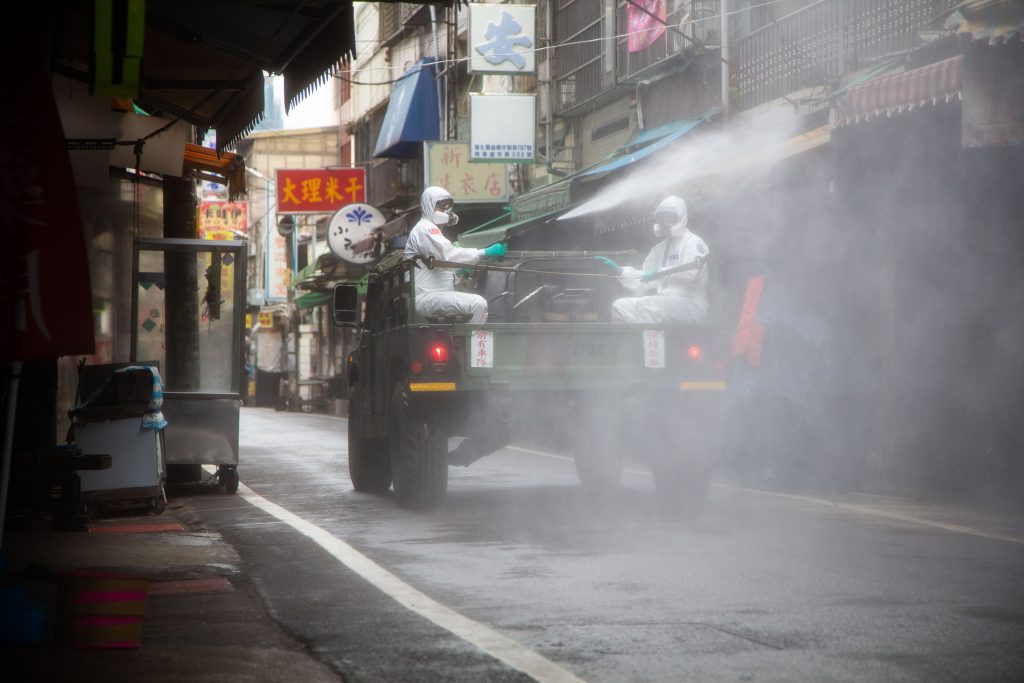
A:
445	216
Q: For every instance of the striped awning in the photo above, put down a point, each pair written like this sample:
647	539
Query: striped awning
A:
888	95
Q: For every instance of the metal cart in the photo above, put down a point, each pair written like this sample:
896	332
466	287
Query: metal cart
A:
111	419
188	303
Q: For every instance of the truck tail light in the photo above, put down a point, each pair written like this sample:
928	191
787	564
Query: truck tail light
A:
416	367
438	355
695	352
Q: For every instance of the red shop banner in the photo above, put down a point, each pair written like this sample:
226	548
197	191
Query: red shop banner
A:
319	191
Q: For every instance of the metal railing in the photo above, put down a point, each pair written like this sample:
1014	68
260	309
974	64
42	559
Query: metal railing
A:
691	24
581	60
810	47
816	45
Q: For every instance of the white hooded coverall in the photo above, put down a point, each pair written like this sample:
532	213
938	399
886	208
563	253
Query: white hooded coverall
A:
435	288
678	298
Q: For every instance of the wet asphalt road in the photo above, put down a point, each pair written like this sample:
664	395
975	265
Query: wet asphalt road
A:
612	588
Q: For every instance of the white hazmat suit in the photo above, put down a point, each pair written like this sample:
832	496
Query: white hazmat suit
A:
435	288
680	297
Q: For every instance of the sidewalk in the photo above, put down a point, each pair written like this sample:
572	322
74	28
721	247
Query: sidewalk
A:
204	620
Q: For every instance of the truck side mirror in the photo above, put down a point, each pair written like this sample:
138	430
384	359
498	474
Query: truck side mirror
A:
346	305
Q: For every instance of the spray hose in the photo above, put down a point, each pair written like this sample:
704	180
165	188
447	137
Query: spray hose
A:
430	262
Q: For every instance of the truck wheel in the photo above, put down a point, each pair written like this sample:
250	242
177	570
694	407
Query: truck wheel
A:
419	452
598	460
368	465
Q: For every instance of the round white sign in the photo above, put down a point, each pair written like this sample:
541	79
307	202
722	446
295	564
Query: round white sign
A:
350	233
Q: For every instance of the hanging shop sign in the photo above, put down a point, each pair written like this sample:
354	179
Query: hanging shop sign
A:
503	38
502	128
446	164
223	220
320	190
350	225
278	270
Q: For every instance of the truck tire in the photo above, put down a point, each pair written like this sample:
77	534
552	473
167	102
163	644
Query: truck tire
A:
369	467
368	464
598	460
418	447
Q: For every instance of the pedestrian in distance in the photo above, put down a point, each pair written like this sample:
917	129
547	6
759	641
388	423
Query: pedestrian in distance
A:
435	287
664	291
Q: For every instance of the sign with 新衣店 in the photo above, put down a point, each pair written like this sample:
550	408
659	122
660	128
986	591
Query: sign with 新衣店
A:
266	319
502	128
502	38
319	190
446	164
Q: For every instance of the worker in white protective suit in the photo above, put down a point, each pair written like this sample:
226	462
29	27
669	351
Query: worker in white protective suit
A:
677	297
435	287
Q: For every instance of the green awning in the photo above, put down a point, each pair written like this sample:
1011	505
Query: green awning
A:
303	273
311	299
500	233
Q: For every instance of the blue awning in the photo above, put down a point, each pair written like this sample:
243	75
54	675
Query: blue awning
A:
413	114
644	144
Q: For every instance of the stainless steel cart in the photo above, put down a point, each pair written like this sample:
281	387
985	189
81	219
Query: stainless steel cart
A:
189	314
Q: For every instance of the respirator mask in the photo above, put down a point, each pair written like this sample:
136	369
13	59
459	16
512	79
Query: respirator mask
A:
444	213
663	222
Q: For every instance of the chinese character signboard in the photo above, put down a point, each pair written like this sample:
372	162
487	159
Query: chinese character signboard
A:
319	191
446	164
223	220
654	348
278	271
503	38
502	127
481	349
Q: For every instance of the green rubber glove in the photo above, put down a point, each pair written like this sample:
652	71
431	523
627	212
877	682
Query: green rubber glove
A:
463	272
608	262
496	250
648	276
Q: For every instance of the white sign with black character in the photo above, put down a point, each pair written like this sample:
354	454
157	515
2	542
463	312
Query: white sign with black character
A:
350	225
502	38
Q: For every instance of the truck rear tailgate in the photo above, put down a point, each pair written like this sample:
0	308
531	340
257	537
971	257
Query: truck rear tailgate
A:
578	355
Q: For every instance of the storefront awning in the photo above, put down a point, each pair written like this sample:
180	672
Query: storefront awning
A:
413	115
938	82
311	299
203	62
644	144
219	167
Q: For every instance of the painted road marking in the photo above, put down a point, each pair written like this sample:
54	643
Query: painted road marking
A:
850	507
490	641
888	514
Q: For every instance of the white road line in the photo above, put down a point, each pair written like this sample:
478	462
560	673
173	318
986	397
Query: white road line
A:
888	514
490	641
862	509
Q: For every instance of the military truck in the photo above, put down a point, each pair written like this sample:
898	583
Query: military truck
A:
548	359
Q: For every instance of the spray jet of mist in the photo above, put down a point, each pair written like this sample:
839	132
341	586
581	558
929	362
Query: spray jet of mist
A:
704	155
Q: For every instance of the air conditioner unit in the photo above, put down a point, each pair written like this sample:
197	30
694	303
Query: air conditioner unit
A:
255	297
